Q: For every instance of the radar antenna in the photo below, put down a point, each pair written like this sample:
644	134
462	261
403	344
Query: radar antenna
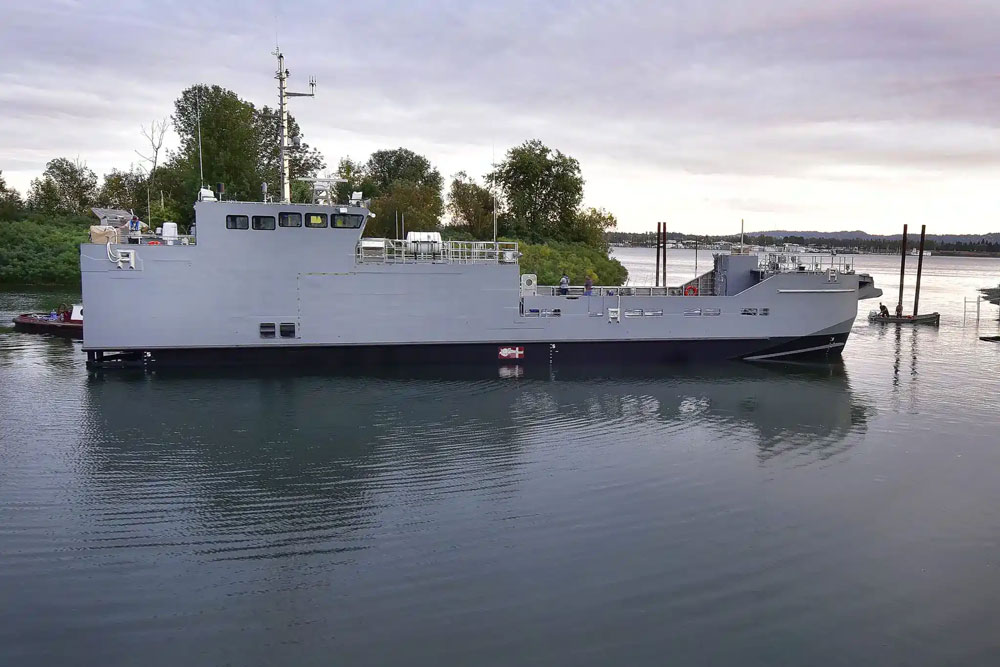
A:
283	95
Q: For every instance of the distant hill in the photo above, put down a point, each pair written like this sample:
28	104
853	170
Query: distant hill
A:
993	237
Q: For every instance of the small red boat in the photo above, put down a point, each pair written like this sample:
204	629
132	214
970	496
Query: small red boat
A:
64	321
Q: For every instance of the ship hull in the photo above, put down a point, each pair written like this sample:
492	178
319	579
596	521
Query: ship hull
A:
825	347
301	296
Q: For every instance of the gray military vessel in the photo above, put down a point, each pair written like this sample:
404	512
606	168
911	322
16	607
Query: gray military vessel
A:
279	282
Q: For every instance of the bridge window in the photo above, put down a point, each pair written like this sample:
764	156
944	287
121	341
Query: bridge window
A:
315	220
289	219
237	222
263	222
350	220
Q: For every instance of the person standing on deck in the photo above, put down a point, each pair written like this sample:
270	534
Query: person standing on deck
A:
134	227
564	285
588	286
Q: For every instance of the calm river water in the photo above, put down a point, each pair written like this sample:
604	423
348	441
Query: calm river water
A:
742	514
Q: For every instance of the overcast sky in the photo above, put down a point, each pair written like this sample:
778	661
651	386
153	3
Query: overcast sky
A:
822	115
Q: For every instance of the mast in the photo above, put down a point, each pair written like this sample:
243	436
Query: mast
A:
283	95
494	193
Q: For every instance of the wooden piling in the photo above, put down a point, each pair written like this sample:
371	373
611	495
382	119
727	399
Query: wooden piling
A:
664	271
658	225
902	272
920	266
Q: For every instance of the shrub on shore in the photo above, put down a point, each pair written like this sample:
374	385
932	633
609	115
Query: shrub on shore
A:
42	249
577	260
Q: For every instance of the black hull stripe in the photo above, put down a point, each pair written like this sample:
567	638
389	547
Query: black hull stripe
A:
625	353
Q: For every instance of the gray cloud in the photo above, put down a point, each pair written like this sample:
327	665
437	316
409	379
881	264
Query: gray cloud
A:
711	89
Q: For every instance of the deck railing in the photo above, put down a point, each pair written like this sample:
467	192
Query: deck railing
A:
399	251
785	263
576	290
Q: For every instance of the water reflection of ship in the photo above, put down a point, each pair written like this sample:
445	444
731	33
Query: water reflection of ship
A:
290	463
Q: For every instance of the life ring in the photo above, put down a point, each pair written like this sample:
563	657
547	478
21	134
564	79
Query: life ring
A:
690	290
153	243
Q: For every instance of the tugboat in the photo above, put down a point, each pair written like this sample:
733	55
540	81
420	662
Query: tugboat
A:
280	283
64	321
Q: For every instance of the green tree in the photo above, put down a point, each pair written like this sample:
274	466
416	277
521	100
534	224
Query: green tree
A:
123	189
230	144
471	206
541	190
303	160
66	186
386	167
239	143
590	227
550	260
174	180
10	200
398	181
353	174
420	205
42	249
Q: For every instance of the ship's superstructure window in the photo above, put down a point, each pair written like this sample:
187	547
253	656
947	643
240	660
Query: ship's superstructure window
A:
315	219
350	220
237	222
287	329
267	329
289	219
263	222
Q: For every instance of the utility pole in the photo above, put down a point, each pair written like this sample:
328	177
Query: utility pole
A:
283	95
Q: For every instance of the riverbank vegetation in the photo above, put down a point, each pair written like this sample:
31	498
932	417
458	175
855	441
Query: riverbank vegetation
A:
535	194
41	249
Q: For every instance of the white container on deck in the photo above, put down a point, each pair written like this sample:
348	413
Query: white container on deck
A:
169	232
423	243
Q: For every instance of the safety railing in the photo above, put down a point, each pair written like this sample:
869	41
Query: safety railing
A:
154	239
398	251
578	291
787	263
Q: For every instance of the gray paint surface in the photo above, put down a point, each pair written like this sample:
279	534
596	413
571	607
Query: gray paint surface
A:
217	293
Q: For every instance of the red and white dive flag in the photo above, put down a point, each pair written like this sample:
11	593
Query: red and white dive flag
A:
511	353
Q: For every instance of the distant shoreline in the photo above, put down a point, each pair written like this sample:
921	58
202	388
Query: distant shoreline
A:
965	253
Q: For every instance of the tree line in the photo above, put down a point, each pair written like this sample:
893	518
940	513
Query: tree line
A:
535	193
877	245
